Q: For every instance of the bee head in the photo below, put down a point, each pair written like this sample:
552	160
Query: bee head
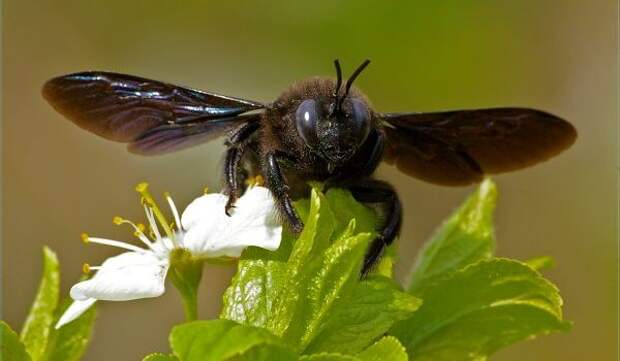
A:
335	127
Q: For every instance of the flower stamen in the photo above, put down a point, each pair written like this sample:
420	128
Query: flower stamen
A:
152	223
86	268
257	180
175	211
109	242
169	243
149	201
138	230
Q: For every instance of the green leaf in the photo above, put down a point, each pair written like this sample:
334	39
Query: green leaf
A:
374	305
70	341
480	309
386	349
319	225
385	266
11	348
289	303
294	296
262	283
160	357
328	357
465	238
334	276
541	263
36	329
267	353
250	297
345	207
217	340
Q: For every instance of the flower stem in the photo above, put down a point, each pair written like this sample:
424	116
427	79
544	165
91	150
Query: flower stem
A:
185	274
190	306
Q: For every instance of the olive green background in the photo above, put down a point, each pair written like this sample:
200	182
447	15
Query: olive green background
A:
560	56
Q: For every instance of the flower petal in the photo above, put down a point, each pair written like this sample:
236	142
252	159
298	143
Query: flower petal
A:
204	220
75	310
205	209
128	276
253	223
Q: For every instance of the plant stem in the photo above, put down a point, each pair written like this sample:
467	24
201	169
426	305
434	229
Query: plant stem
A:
185	274
190	305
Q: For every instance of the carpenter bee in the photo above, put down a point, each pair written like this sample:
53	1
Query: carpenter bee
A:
318	129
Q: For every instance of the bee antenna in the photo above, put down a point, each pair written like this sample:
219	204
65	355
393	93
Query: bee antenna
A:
338	79
351	79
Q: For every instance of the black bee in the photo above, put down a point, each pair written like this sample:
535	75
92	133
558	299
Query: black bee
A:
318	129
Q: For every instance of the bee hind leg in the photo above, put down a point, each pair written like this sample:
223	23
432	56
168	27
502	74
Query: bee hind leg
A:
375	191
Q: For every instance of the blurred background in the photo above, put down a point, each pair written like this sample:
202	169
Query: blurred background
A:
556	55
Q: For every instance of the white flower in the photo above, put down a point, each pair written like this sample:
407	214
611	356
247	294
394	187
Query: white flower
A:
205	231
253	223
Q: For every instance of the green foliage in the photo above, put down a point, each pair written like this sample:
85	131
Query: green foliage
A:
313	299
475	304
479	310
306	301
374	305
69	342
386	349
11	347
328	357
38	324
466	237
541	263
345	208
309	294
160	357
220	340
225	340
39	339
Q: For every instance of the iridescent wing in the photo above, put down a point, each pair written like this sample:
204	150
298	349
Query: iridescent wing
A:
154	117
169	138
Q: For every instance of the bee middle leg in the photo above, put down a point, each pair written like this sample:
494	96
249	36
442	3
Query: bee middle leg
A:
376	191
234	174
279	187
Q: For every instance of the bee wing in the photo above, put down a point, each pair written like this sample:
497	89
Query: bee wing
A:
152	115
458	147
169	138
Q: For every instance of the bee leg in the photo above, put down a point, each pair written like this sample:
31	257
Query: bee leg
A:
233	186
233	173
277	184
375	191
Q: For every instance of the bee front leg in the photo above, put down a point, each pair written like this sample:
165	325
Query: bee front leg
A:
375	191
233	173
277	184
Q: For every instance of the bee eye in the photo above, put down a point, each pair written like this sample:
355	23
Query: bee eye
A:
306	117
360	119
